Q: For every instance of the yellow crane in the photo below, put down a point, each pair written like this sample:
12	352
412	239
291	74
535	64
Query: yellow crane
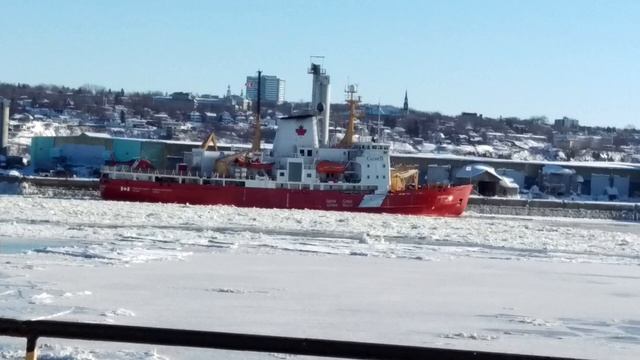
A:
403	177
210	141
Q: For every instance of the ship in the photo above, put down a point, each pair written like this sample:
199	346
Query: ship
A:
302	170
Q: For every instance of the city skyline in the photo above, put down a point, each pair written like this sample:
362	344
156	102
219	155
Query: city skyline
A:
498	58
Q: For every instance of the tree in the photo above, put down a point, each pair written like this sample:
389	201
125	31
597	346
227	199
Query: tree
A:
412	127
390	122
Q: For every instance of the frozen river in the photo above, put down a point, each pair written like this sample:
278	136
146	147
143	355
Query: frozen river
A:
549	286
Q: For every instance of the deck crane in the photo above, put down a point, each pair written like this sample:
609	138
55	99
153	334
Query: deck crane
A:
210	141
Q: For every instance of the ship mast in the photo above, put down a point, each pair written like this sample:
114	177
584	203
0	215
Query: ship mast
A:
379	127
352	101
255	144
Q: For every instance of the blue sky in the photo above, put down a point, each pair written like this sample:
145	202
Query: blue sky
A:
576	58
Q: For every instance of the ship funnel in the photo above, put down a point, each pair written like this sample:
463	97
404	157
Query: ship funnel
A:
320	98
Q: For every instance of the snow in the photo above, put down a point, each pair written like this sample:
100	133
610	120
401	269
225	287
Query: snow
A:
485	149
11	172
474	170
600	164
426	147
398	147
41	128
557	170
549	286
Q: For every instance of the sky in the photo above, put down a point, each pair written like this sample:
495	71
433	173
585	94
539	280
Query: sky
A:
575	58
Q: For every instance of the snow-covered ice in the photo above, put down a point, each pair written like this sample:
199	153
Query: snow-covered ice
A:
550	286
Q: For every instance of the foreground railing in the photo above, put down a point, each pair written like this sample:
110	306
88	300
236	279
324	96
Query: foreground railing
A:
34	329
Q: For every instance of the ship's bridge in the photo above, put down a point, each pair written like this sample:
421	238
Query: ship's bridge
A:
373	163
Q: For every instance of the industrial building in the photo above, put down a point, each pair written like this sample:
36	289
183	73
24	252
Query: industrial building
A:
93	150
592	180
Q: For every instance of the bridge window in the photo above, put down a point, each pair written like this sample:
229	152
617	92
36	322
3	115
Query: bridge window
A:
309	153
281	173
308	175
301	152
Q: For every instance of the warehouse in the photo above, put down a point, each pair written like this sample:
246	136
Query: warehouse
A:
93	150
594	180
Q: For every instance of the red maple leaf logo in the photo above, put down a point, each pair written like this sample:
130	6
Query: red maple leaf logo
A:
301	131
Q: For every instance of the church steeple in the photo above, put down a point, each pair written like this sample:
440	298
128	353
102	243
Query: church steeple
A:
228	91
405	107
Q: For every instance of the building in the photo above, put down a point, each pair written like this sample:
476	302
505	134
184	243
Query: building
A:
582	142
272	89
526	137
556	180
566	123
469	116
626	176
208	100
486	181
177	101
90	151
195	117
405	105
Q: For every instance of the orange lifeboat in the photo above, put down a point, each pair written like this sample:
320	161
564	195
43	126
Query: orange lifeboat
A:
330	167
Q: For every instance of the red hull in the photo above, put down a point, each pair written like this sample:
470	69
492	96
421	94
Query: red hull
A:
450	201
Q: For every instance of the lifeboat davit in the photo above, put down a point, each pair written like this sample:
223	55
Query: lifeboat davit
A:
330	167
254	164
142	164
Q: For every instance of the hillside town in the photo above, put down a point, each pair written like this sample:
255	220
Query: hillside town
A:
51	131
185	116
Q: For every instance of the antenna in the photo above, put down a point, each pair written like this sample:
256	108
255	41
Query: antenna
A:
379	127
319	58
352	100
255	146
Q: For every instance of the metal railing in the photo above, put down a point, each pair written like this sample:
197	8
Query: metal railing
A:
32	330
124	169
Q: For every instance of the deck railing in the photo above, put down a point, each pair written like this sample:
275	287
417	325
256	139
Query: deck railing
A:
32	330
